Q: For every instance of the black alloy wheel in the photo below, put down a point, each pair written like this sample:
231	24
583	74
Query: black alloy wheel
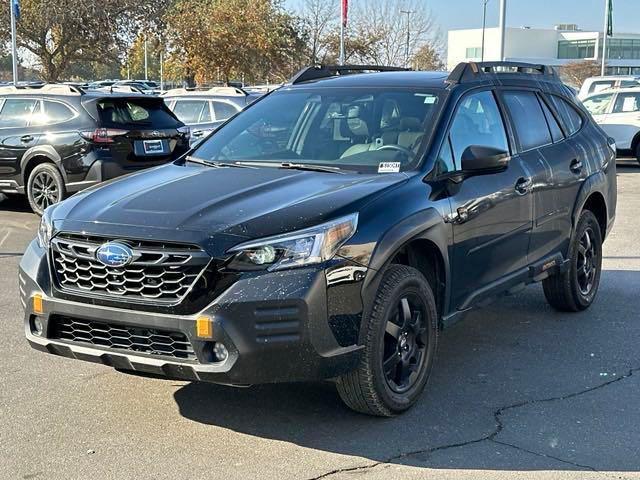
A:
400	338
405	343
575	289
587	262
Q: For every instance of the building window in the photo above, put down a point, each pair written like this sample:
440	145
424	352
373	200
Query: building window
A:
576	49
474	52
623	48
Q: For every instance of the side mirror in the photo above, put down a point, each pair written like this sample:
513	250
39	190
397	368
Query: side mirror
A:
479	159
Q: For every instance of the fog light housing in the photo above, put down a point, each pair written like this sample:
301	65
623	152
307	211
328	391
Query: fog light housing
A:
220	352
37	326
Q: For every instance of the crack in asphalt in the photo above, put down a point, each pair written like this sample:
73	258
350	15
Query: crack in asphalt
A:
10	254
492	436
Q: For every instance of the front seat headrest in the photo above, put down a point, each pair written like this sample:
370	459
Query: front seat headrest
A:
356	124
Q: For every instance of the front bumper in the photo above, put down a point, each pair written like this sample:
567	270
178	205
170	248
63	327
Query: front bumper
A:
274	327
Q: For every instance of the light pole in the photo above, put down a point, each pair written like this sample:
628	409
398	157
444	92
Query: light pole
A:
605	34
406	53
503	19
484	26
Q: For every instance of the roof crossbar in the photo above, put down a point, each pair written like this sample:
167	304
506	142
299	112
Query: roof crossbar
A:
317	72
470	71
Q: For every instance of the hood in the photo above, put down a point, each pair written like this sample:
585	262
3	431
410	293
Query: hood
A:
239	202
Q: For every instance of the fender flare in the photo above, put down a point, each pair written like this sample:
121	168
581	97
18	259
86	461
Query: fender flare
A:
424	225
595	183
42	151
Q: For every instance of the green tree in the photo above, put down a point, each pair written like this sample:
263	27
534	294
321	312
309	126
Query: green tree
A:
227	39
427	58
63	33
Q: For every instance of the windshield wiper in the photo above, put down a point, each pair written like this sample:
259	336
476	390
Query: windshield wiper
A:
210	163
296	166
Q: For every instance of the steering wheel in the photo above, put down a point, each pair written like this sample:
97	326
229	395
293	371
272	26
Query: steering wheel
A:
399	148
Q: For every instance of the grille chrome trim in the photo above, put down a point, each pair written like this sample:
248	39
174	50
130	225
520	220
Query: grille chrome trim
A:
160	273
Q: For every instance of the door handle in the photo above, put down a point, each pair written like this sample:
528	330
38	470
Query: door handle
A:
26	138
197	134
576	165
523	186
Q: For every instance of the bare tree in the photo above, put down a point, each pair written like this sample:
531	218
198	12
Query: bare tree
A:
575	73
319	17
385	19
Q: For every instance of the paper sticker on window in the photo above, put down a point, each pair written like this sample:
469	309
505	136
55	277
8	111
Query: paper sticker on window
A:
388	167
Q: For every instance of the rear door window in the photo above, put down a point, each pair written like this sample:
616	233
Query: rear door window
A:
571	119
528	119
601	85
224	110
192	111
56	112
142	112
627	103
554	127
17	112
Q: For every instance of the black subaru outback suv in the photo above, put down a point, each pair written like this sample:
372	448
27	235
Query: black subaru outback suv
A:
57	139
331	230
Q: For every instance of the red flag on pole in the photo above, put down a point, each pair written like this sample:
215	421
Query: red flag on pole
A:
345	12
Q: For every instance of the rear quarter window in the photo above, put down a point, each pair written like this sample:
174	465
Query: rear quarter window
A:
571	119
136	112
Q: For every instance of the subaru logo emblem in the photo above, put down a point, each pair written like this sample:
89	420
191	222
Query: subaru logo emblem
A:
114	254
156	133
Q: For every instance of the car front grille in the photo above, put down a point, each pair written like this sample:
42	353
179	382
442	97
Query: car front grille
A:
160	273
151	341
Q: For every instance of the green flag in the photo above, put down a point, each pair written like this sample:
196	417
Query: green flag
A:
610	19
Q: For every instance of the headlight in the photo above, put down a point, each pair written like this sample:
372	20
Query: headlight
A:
305	247
45	230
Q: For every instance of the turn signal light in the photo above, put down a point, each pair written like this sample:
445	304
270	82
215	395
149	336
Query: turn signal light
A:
37	304
204	327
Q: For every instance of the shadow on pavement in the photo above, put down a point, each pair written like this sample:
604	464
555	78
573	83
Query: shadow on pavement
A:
14	203
517	351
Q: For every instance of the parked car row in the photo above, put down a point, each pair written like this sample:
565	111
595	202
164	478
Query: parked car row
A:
614	103
58	139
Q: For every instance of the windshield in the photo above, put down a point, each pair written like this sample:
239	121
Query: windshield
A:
361	129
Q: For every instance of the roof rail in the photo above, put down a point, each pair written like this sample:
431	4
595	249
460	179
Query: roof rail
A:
470	71
52	88
316	72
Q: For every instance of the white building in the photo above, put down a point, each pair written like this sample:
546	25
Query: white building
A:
564	44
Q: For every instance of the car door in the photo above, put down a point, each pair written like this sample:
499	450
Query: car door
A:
623	122
557	170
17	131
491	213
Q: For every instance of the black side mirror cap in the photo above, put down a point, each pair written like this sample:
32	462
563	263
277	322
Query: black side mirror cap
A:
480	158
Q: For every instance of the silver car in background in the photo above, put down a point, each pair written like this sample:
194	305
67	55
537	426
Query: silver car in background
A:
204	110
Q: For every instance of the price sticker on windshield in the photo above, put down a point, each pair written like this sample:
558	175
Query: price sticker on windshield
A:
388	167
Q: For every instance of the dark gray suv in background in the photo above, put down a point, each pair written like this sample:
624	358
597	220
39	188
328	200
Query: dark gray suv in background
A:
331	230
58	139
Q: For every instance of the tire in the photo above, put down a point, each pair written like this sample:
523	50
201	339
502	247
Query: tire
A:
637	152
400	330
575	289
45	187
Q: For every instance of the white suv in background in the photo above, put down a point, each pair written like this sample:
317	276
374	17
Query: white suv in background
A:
599	84
618	113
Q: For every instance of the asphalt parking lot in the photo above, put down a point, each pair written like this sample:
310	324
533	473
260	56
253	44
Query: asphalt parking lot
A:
518	390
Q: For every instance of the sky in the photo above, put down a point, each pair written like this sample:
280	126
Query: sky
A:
588	14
